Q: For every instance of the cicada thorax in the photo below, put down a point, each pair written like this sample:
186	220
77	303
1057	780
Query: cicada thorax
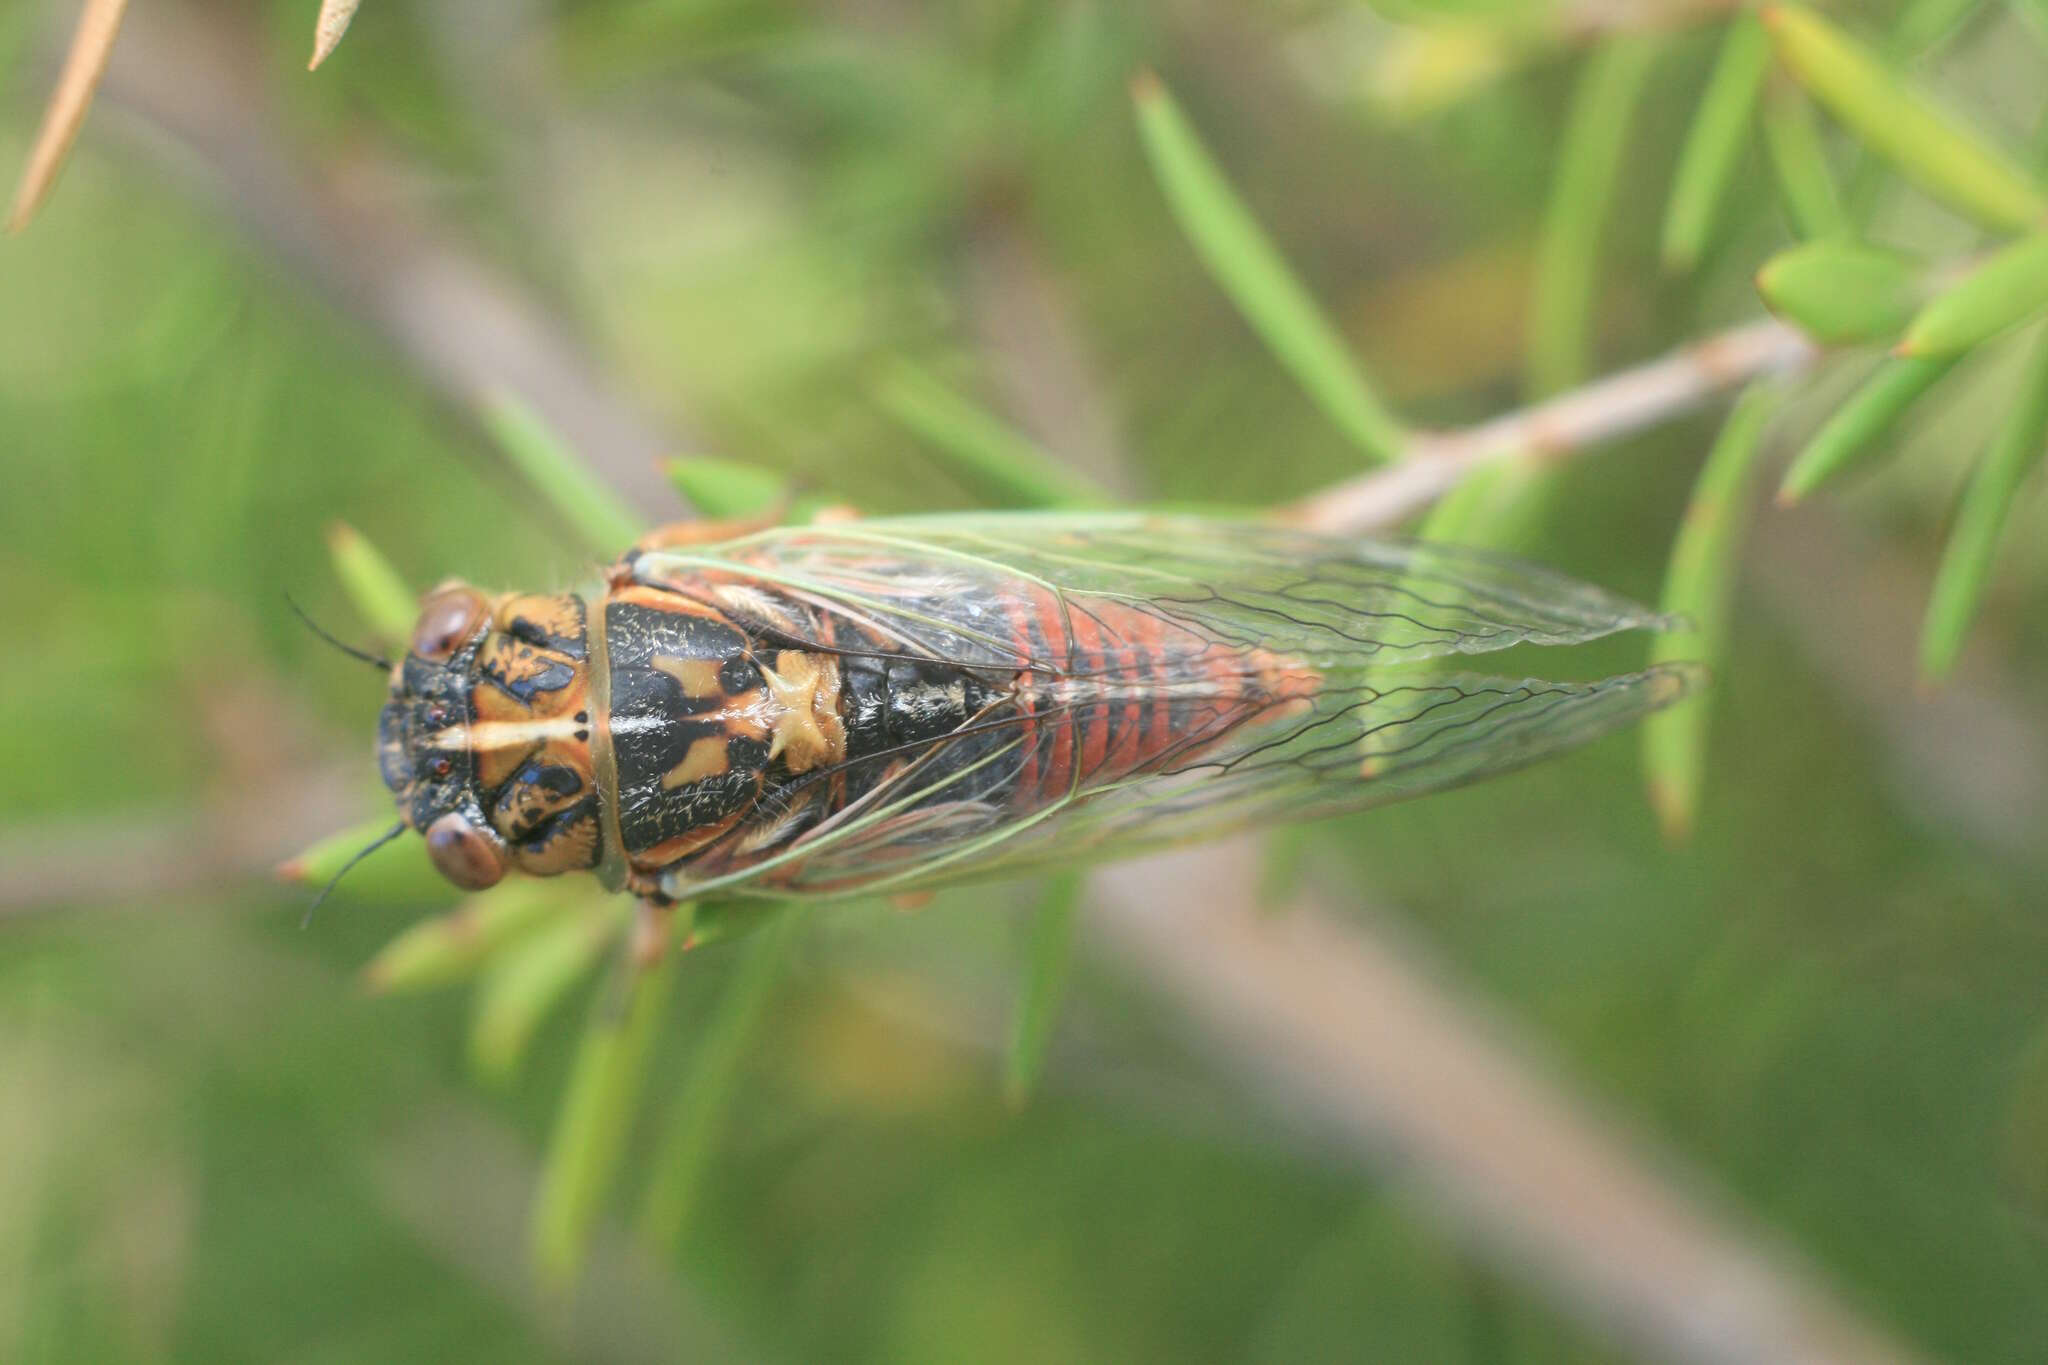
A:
702	720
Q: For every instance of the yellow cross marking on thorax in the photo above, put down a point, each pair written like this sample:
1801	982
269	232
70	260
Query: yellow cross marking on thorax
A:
807	731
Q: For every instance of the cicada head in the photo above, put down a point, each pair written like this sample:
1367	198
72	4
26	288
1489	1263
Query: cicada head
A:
485	741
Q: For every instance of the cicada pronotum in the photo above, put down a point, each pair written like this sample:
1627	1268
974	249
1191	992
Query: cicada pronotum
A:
884	706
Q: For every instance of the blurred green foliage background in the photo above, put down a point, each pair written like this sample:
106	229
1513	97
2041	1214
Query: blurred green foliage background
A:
751	217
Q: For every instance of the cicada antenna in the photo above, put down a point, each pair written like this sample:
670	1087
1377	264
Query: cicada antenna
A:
365	851
373	660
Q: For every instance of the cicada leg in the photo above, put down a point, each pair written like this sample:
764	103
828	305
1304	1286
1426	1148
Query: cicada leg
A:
637	953
652	928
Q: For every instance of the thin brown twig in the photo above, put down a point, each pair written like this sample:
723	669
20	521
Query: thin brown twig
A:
91	44
1356	1037
1571	424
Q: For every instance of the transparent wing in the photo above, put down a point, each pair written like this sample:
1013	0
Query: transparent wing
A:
1216	605
935	584
1358	749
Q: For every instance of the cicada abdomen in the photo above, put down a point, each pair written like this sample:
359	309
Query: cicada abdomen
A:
888	705
1133	691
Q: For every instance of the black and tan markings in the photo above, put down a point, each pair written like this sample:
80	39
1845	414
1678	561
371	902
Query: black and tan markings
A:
705	720
532	733
486	739
818	710
1091	697
687	727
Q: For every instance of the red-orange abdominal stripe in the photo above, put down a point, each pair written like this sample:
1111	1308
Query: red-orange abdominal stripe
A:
1091	722
1136	692
1020	632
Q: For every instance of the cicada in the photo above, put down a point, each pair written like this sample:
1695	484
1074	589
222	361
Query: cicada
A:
886	706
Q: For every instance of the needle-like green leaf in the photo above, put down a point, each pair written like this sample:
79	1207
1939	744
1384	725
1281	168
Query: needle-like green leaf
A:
525	981
1045	986
1849	437
1698	588
1838	291
1499	505
1582	188
986	453
727	489
559	474
594	1119
724	919
398	871
2003	292
1713	146
1800	166
698	1113
1966	561
1422	68
379	593
447	948
1244	263
1922	25
1930	146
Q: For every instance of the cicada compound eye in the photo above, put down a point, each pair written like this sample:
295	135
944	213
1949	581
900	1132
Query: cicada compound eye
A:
464	854
448	617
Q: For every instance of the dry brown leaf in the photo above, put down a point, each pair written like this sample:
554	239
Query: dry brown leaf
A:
83	66
328	28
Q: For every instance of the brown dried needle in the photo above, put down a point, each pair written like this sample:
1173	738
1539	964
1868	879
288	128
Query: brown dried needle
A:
328	28
83	66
